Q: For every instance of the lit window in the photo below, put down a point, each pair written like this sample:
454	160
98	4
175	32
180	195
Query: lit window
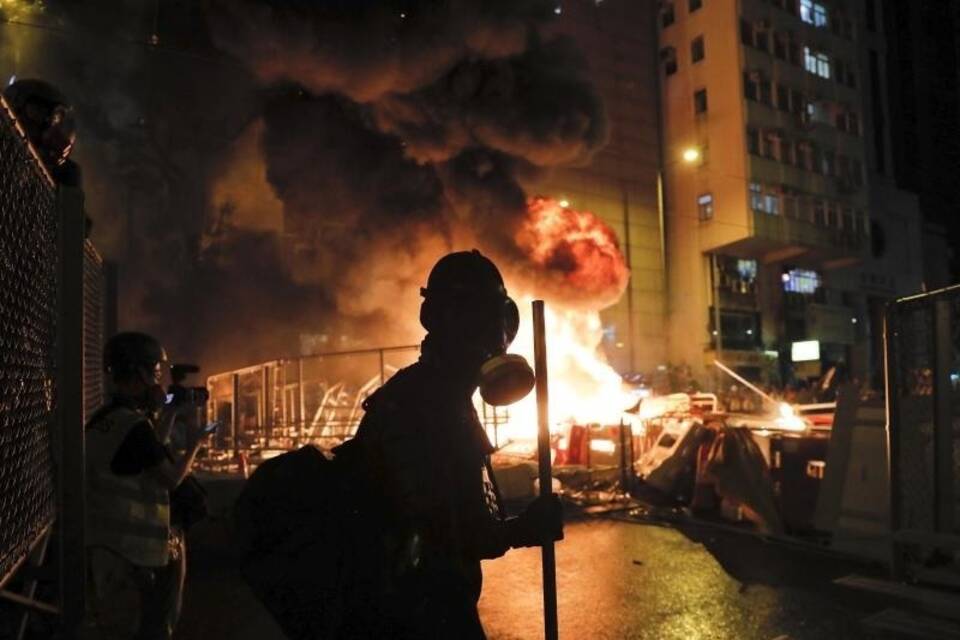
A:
756	197
697	50
700	101
813	13
801	281
816	62
809	60
747	269
771	204
705	206
819	15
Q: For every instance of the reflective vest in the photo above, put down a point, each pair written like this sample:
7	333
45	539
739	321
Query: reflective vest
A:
127	514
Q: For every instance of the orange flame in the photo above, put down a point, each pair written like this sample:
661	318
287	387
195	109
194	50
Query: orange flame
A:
576	246
583	251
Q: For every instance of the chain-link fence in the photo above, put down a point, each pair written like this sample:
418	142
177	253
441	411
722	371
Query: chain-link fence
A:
94	321
28	331
923	370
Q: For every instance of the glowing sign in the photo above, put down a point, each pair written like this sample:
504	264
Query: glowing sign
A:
805	351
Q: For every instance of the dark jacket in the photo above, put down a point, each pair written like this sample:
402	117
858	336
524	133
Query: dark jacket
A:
420	461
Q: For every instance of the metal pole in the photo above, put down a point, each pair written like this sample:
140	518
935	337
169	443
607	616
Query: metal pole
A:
942	415
546	477
70	412
301	423
718	342
892	391
235	417
624	478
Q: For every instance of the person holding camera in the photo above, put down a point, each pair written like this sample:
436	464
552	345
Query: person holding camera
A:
135	557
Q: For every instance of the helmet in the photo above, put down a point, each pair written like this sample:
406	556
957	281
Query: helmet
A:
129	351
469	281
46	116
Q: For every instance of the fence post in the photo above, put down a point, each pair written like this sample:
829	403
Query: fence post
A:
302	422
942	415
892	385
70	409
235	418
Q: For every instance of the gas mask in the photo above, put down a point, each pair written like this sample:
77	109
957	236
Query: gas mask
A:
505	378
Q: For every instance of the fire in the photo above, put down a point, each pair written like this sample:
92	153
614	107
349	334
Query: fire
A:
583	387
575	247
582	251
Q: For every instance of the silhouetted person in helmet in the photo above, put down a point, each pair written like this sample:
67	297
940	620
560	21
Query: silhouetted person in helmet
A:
135	558
421	458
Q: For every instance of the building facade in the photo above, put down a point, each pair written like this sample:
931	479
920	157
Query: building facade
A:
618	39
770	202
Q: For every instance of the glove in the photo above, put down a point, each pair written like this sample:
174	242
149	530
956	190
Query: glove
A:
541	522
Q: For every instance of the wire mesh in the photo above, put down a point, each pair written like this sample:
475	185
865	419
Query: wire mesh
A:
913	368
94	285
925	448
28	315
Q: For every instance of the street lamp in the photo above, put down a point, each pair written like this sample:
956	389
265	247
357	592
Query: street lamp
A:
691	155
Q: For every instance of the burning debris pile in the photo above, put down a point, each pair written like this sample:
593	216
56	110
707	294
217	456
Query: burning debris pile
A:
393	132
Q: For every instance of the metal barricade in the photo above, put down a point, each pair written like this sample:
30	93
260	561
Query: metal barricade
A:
284	404
923	406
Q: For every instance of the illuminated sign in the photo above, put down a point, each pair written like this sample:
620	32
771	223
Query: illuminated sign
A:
801	281
805	351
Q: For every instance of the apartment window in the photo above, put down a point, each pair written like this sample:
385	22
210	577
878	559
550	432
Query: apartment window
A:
794	52
832	215
771	145
848	219
766	92
813	13
700	101
853	124
667	16
818	212
756	196
786	152
705	206
780	46
796	101
816	62
753	141
790	207
749	85
819	15
694	5
697	51
746	32
668	57
771	203
804	155
783	98
829	163
761	39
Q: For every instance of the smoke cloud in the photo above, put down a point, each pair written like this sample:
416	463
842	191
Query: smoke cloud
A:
393	132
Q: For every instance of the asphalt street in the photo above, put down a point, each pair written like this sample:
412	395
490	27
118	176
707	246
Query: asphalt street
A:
616	580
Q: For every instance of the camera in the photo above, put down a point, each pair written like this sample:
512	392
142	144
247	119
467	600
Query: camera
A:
177	393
